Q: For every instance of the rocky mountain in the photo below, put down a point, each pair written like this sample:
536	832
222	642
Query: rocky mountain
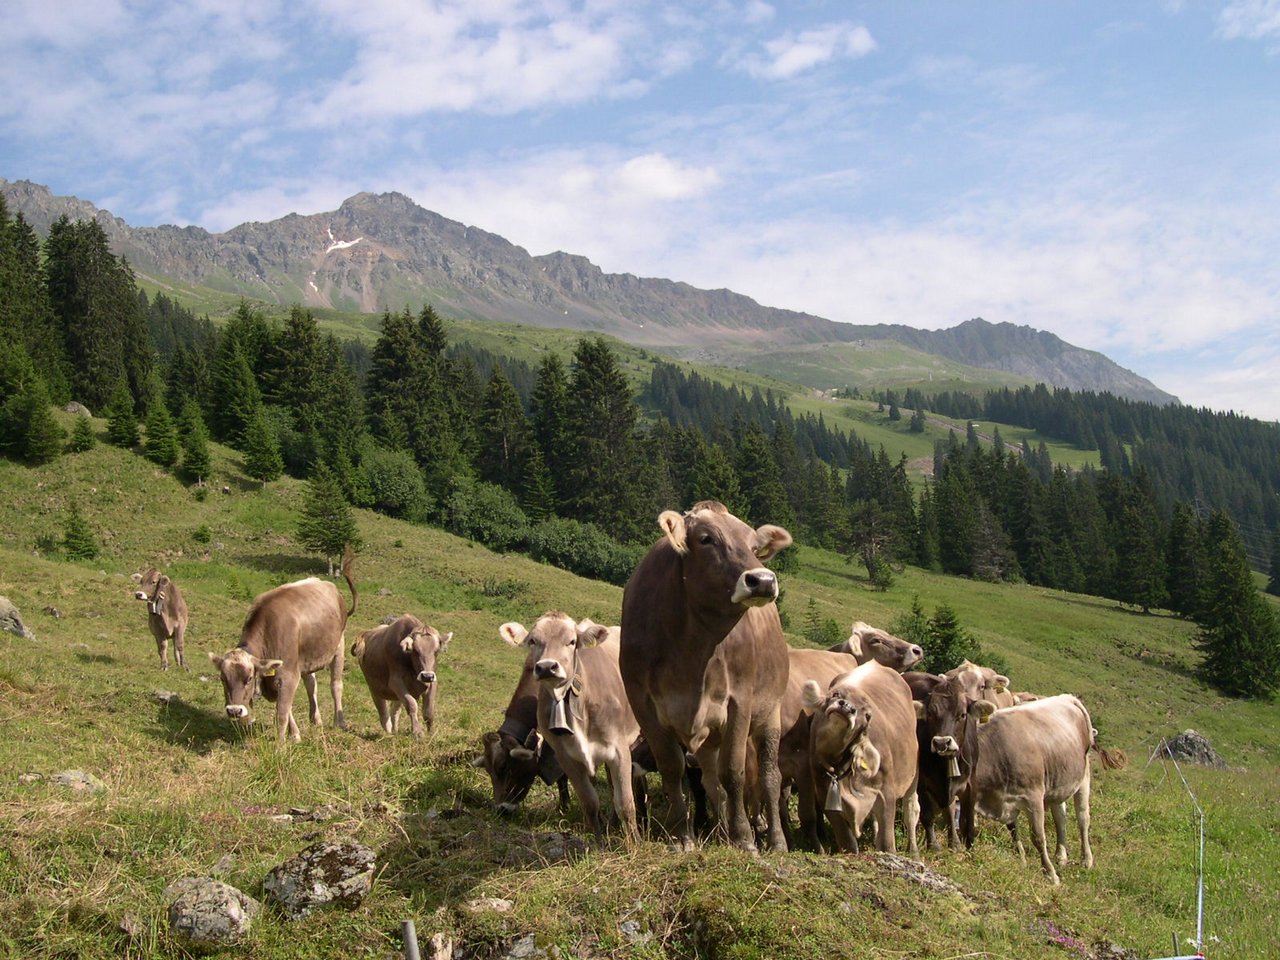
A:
383	251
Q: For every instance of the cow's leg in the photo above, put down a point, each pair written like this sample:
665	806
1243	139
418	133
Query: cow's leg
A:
180	645
584	785
1059	811
885	812
928	814
562	799
309	681
286	726
1082	821
770	781
384	712
411	708
708	758
624	803
910	820
335	685
1035	812
162	645
668	754
808	811
732	771
429	706
1017	841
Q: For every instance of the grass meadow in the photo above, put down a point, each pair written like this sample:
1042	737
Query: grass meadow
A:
83	875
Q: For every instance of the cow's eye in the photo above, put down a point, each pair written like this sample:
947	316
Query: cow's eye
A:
705	538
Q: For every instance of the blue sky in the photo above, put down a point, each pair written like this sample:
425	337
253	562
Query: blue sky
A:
1108	171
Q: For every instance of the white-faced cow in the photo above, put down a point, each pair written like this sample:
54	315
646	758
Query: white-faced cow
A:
398	660
290	633
705	663
947	743
1033	757
862	742
166	615
871	643
583	709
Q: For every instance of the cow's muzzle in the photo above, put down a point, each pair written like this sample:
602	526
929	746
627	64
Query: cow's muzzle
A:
548	670
945	746
427	676
237	711
755	588
139	595
917	654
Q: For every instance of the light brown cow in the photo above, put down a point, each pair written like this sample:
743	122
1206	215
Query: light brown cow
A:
983	683
862	741
398	660
291	632
582	708
871	643
705	664
166	615
1033	757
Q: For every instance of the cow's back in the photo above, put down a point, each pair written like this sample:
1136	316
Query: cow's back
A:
299	623
1038	746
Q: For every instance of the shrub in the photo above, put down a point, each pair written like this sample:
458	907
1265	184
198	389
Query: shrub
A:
78	542
202	534
584	549
487	514
82	436
394	483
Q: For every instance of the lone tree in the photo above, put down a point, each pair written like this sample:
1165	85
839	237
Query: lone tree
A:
327	525
196	463
122	425
78	542
82	436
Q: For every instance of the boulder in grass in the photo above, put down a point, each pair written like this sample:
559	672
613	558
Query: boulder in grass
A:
210	913
78	781
1191	747
11	620
324	873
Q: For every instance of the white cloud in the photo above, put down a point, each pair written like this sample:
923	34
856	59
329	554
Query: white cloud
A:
1252	20
795	53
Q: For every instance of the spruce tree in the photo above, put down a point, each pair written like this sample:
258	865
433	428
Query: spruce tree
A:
949	643
78	542
506	438
161	444
235	392
760	479
196	462
1273	581
82	436
1184	562
327	524
549	413
122	425
262	459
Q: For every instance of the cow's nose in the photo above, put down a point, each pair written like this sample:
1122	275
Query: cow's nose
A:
426	676
756	587
236	711
917	653
544	669
945	746
139	595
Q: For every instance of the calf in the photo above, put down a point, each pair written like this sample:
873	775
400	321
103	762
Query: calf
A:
871	643
947	745
1032	757
289	634
862	747
583	709
398	660
166	615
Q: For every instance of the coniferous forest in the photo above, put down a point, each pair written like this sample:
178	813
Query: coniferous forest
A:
567	462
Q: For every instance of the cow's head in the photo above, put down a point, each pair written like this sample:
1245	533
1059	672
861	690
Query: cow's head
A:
512	766
950	716
151	588
871	643
722	555
840	719
980	683
241	672
422	646
553	644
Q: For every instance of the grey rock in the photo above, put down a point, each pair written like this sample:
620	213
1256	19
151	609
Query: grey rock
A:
488	904
30	777
916	872
1191	747
78	781
326	872
439	947
524	948
78	408
11	620
53	612
208	912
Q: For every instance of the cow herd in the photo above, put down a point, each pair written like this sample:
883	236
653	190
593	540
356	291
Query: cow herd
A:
699	685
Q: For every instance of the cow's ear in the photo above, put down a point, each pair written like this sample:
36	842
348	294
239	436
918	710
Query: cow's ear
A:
672	525
533	741
478	761
357	648
407	644
810	695
592	635
522	753
771	539
867	759
513	633
919	709
983	709
215	659
855	638
269	668
1001	682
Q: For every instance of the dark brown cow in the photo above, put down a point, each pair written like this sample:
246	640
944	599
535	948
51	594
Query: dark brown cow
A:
705	664
1033	757
871	643
583	709
947	743
398	660
862	741
166	615
289	634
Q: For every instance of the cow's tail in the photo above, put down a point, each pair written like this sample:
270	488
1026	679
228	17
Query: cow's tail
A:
1111	759
348	559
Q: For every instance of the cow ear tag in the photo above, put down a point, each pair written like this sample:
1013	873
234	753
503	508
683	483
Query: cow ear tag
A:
269	672
833	802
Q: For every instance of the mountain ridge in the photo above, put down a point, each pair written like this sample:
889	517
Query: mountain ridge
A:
383	251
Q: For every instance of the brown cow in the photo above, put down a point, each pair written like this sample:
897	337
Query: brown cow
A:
947	743
291	632
871	643
862	742
582	708
398	660
166	615
983	683
705	664
1033	757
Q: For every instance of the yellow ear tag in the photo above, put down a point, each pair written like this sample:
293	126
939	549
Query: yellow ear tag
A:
270	672
862	763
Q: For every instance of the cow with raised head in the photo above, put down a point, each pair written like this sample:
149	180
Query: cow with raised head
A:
947	742
862	748
871	643
290	633
583	709
1034	757
166	615
705	663
398	660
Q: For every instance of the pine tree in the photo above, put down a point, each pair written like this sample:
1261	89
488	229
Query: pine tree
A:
78	542
122	425
759	478
1184	562
82	436
548	413
1239	635
327	524
196	462
949	644
506	439
1273	581
161	445
235	392
262	459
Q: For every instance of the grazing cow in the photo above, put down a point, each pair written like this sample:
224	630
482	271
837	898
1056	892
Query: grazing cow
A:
398	660
1033	757
705	664
983	683
947	743
166	615
862	742
291	632
871	643
582	708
